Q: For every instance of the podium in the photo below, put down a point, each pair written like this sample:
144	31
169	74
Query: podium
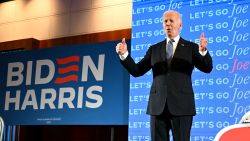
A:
237	132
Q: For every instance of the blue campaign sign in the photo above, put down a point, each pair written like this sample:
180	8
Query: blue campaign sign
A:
69	85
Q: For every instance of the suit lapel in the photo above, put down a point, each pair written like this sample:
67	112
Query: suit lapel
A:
163	50
179	46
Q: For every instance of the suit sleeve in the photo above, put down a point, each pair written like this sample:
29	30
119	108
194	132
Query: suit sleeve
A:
140	68
203	63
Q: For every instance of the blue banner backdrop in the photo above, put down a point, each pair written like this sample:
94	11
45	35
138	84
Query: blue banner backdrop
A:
70	85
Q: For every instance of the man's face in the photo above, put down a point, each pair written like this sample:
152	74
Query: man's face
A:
171	24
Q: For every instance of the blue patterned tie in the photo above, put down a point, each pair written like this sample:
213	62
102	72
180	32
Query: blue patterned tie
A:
170	49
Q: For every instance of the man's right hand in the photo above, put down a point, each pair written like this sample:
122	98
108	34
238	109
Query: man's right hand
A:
121	47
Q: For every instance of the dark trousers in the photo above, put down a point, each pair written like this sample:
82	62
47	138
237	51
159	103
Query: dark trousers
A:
179	125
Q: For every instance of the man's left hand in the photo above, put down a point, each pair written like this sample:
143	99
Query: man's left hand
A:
203	42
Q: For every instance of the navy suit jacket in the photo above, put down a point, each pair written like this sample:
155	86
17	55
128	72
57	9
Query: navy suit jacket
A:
172	84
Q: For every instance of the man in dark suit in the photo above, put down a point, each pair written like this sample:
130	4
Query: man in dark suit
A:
171	103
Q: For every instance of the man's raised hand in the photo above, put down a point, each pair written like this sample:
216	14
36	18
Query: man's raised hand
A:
203	42
121	47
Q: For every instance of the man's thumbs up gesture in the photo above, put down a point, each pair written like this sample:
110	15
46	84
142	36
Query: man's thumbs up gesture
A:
203	43
121	47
